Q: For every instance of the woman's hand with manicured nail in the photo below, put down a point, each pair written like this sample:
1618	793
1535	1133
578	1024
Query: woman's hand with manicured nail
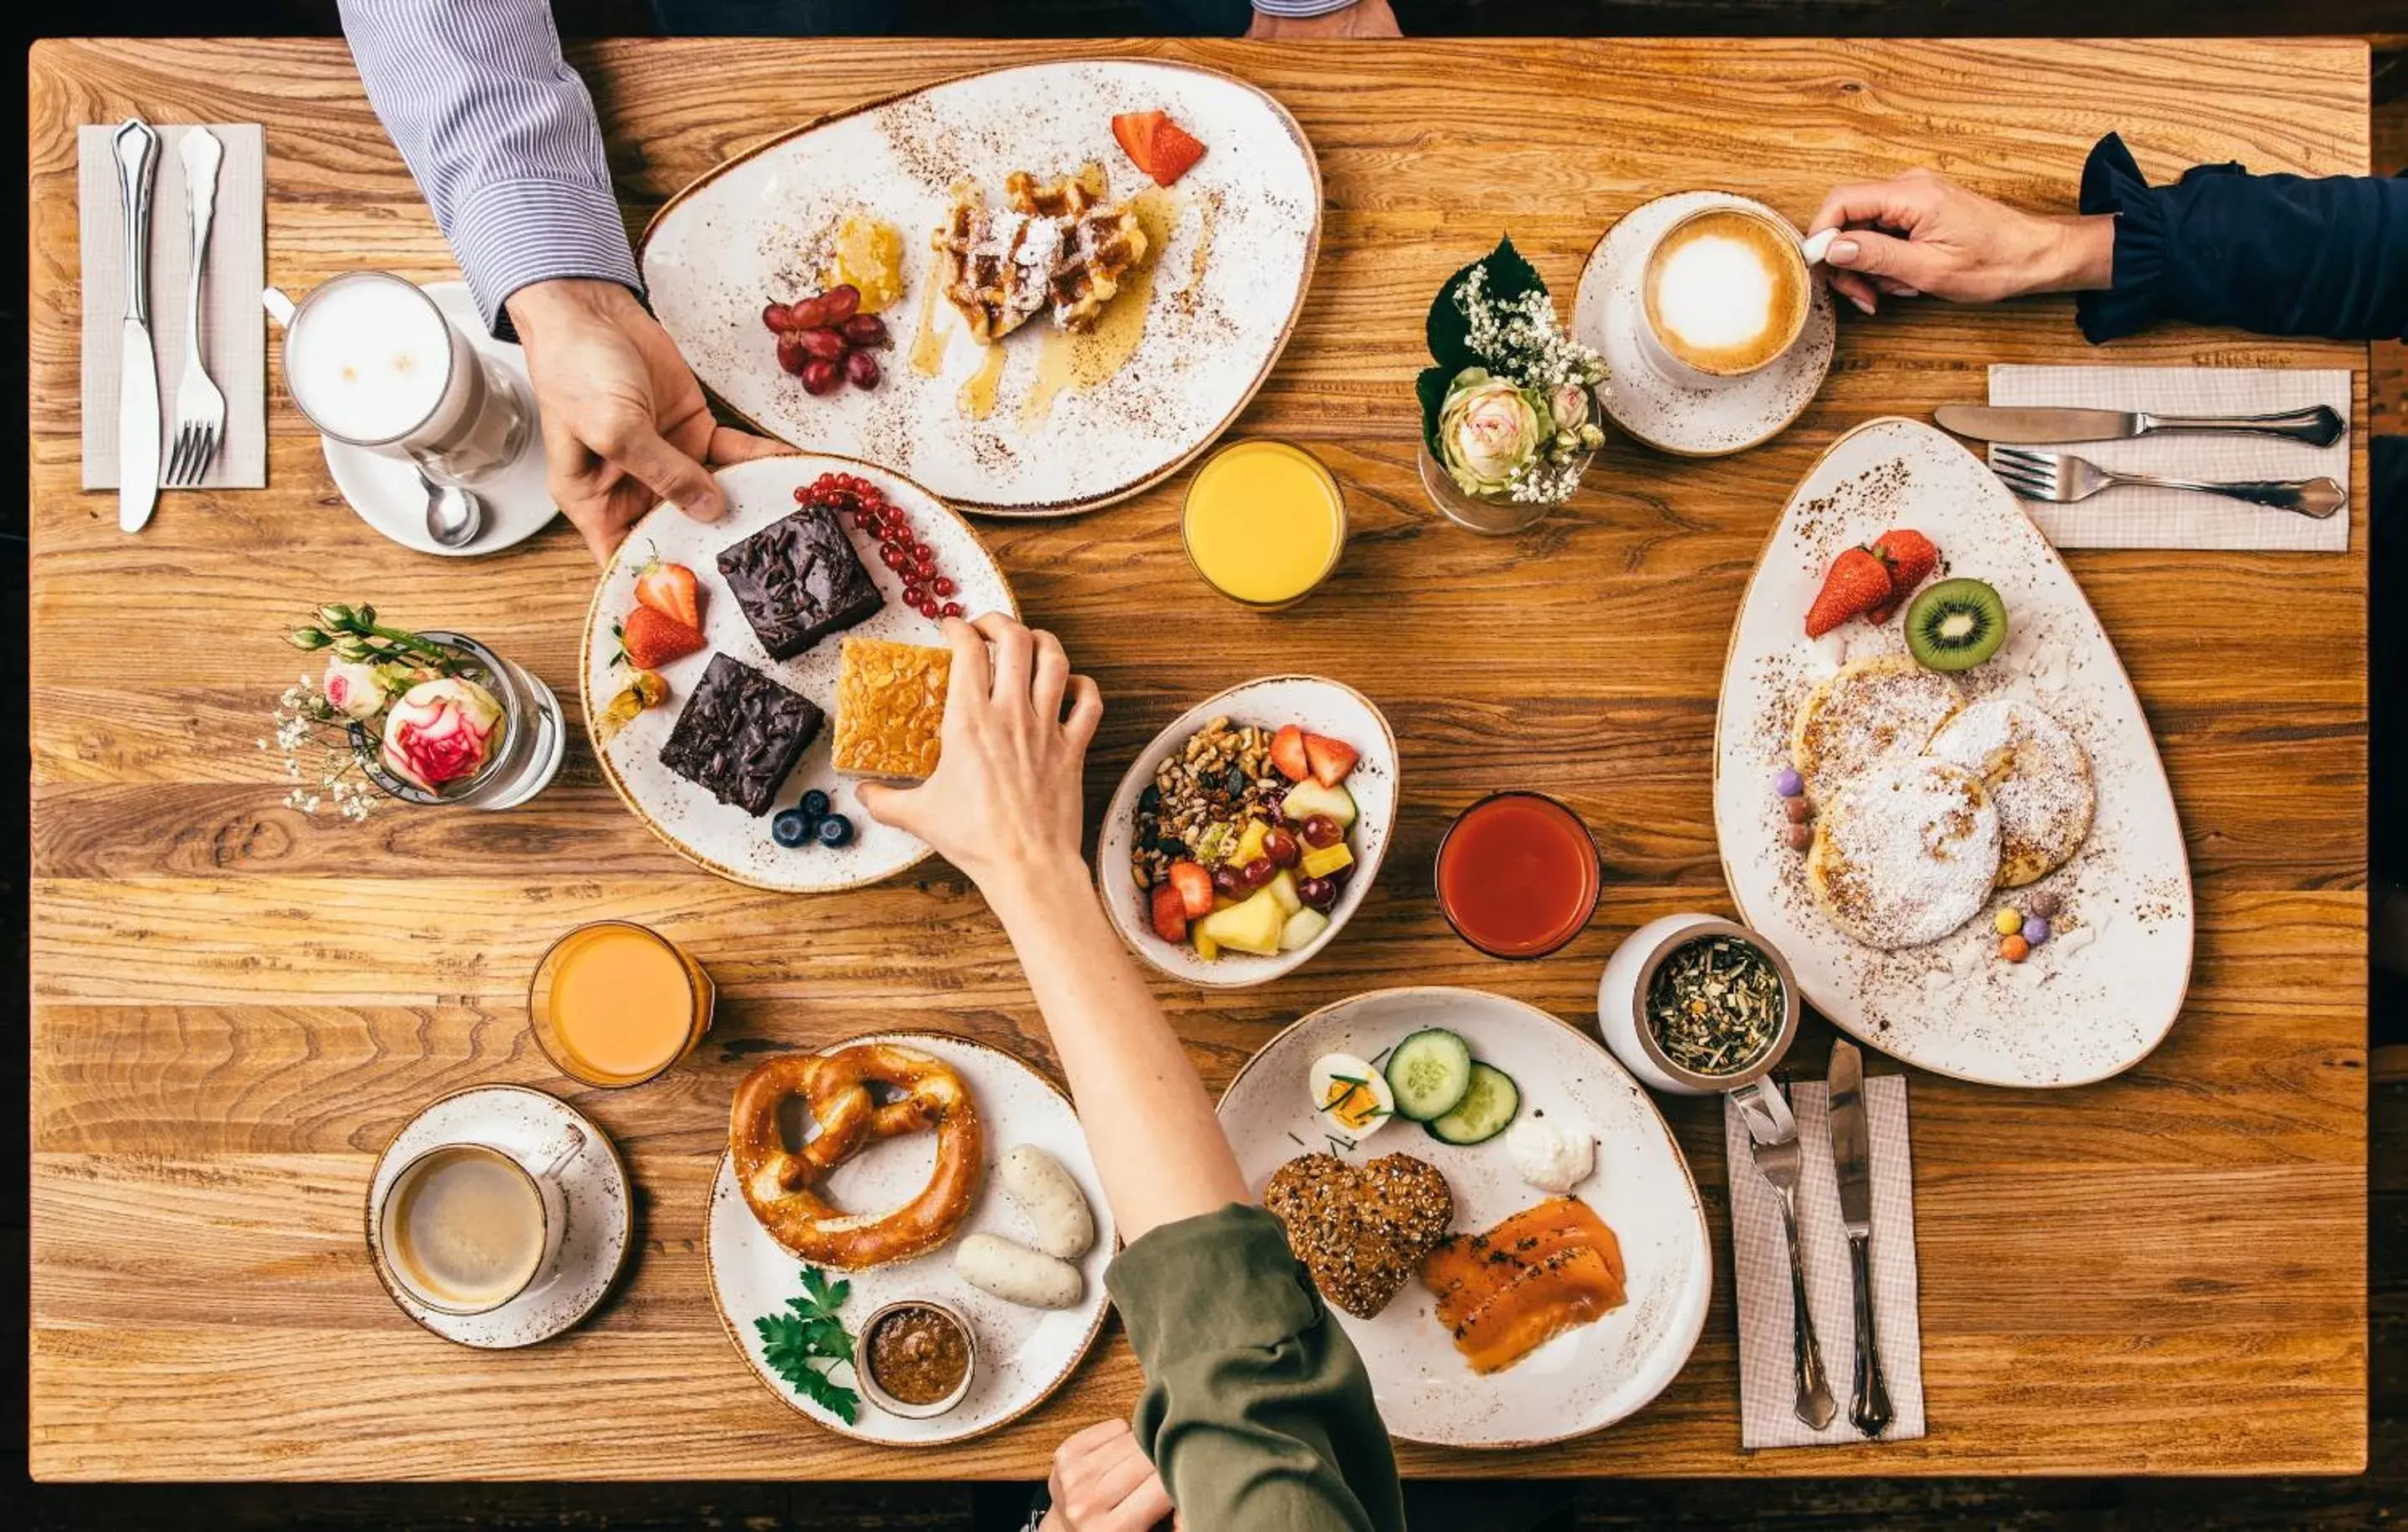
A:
1923	233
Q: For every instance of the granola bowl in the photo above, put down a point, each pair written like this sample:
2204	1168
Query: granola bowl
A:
1192	794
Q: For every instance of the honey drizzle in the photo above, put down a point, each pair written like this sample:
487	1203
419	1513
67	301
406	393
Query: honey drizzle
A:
1086	359
977	399
928	344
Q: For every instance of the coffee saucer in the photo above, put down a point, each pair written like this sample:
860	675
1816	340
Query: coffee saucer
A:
1673	417
529	1126
385	490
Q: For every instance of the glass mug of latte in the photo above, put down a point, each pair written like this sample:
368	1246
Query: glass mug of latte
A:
1725	294
466	1229
373	363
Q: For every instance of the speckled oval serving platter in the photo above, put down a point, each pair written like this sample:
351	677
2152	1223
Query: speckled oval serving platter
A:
1219	297
1585	1380
1024	1354
2106	987
718	836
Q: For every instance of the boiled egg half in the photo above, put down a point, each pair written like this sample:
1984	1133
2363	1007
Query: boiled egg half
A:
1350	1097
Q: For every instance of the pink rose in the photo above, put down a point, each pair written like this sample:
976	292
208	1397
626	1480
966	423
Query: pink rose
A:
354	689
441	731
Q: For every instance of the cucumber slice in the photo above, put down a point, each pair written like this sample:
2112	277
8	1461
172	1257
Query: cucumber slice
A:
1491	1103
1428	1074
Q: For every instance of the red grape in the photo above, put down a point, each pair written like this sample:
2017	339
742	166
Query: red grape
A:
1318	893
820	377
1282	849
810	314
1321	831
1257	872
866	330
841	302
790	353
862	369
777	316
1225	882
821	345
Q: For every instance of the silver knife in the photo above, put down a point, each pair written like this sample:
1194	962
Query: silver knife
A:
137	366
1852	1161
2320	426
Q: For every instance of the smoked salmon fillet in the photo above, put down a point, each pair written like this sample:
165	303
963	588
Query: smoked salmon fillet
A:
1551	1268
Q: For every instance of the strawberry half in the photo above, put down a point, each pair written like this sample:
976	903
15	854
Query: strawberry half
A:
671	590
652	638
1175	151
1858	584
1194	886
1169	912
1135	133
1289	754
1332	759
1911	558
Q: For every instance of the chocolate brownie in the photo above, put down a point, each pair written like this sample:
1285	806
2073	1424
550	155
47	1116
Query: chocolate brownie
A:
741	734
797	580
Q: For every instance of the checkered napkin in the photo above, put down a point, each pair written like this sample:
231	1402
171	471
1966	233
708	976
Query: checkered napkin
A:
2150	518
234	327
1767	1386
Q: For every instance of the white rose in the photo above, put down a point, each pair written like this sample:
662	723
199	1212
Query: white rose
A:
354	688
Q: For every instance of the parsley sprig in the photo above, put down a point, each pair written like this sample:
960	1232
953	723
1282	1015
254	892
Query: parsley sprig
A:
807	1345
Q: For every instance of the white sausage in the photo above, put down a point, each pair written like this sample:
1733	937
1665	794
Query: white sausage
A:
1017	1274
1043	1191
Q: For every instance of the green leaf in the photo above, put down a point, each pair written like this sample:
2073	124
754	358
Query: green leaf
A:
1449	332
1430	386
805	1345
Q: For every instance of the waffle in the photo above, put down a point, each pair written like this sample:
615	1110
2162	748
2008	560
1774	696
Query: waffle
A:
1058	243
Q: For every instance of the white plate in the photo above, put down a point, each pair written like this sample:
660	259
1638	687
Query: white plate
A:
719	836
1243	227
1024	1354
1580	1381
531	1127
2105	988
1319	707
1674	417
385	491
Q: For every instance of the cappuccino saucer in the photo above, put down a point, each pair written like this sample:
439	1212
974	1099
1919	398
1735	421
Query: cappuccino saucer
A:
385	490
1673	417
528	1125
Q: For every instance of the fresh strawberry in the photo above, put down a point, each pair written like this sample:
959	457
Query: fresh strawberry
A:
671	590
1857	582
651	640
1170	913
1332	759
1135	131
1174	152
1910	559
1193	882
1289	754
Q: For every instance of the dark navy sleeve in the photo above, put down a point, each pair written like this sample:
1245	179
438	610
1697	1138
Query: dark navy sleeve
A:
2280	255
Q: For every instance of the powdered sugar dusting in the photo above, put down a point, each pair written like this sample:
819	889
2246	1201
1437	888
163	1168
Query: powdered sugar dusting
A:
2037	774
1906	853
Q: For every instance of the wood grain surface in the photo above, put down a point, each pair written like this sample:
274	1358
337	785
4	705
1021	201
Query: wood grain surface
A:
236	1006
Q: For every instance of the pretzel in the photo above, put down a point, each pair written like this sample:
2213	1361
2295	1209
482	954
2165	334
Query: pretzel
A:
781	1186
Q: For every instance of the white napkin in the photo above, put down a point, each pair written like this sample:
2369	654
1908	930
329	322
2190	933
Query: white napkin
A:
232	325
1768	1387
2150	518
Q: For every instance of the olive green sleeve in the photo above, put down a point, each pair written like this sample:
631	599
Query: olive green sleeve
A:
1257	1411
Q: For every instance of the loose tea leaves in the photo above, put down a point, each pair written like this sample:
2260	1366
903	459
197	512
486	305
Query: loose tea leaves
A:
1716	1005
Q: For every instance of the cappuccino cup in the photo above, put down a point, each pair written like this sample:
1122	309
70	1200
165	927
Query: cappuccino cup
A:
1724	293
466	1227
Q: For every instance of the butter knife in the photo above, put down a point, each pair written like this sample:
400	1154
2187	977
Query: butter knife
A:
2320	426
137	365
1852	1161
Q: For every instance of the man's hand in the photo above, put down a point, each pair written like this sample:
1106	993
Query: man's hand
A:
1102	1483
1923	233
625	424
1363	18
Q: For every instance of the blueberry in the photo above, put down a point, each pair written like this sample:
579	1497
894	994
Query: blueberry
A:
792	827
1150	801
815	804
835	830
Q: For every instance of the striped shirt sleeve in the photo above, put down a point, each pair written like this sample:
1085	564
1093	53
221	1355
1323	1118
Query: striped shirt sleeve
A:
502	136
1300	9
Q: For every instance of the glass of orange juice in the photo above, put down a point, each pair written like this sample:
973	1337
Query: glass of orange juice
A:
614	1003
1265	522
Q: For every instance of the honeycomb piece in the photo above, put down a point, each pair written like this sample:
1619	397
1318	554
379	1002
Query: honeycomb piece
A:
890	707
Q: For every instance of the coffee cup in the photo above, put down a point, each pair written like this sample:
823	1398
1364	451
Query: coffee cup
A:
373	363
1724	293
466	1227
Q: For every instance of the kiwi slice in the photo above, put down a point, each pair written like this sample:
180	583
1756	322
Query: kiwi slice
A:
1956	624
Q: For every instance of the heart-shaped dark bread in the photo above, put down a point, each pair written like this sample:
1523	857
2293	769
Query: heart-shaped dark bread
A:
1360	1230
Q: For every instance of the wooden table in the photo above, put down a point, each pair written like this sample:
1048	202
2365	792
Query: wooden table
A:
235	1006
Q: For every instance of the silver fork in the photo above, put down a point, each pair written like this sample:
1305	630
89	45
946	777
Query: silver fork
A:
1772	1135
200	409
2062	478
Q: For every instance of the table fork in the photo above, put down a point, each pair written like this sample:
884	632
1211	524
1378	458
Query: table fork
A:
1772	1135
2062	478
200	409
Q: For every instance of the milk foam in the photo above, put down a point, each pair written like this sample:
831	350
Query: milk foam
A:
367	359
1716	292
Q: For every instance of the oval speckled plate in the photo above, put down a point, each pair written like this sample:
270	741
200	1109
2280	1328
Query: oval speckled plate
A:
1024	1354
1582	1380
719	836
2105	989
531	1127
1673	417
1237	236
1320	707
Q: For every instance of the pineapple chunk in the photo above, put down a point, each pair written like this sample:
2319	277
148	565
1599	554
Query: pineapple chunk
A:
1250	842
1303	927
1307	799
1252	926
1283	888
1206	948
1328	859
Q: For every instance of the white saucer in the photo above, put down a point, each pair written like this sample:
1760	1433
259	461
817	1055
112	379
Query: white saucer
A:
528	1125
1672	417
385	490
